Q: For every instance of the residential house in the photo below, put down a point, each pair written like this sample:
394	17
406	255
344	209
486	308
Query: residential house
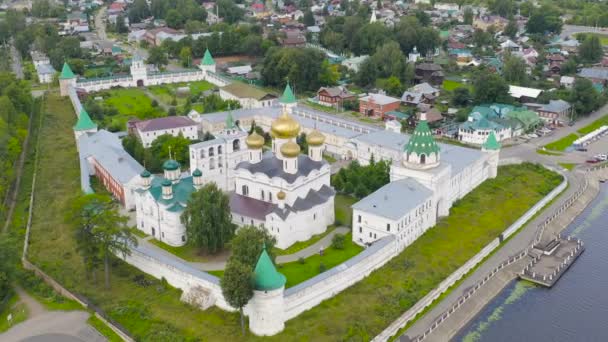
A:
485	21
433	115
149	130
153	36
506	121
334	96
45	73
430	73
524	94
595	75
293	38
39	58
353	63
510	45
420	94
566	82
248	96
555	112
377	105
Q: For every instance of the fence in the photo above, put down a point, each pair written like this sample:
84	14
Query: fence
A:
458	274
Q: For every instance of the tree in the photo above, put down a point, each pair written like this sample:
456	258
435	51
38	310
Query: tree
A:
138	11
511	29
468	16
514	70
391	85
309	19
590	50
544	19
237	286
100	231
229	11
8	260
584	97
489	87
185	56
303	67
248	243
207	219
329	75
461	96
158	57
174	19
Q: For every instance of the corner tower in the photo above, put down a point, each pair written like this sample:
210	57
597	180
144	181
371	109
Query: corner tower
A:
288	99
84	125
139	73
67	79
266	308
492	147
207	64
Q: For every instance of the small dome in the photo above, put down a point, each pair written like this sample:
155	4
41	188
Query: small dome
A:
145	174
315	138
285	126
255	141
166	182
281	195
290	149
197	173
170	165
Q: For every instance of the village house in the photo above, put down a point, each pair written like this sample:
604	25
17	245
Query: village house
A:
484	22
334	96
377	105
247	96
420	94
555	112
430	73
149	130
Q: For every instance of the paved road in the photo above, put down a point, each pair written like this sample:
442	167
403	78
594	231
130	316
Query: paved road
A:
100	24
569	30
16	61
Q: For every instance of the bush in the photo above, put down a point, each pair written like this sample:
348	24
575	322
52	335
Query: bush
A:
322	268
172	111
338	240
154	103
301	260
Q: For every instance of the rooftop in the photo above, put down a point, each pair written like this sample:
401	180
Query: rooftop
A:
395	199
168	122
380	99
272	166
242	90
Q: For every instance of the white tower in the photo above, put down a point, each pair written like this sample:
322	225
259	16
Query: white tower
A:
413	56
288	100
207	64
84	125
197	179
492	147
290	152
67	80
139	73
421	151
266	309
172	170
255	143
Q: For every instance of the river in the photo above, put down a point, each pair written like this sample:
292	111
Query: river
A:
575	309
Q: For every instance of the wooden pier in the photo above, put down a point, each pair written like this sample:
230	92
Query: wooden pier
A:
552	260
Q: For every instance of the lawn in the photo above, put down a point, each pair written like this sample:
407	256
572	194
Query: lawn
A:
568	166
344	214
300	245
297	272
103	329
150	310
594	125
18	312
548	153
451	85
187	252
603	37
167	92
563	143
130	103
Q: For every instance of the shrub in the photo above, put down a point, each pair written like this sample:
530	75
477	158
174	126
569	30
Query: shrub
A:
338	241
154	103
322	268
172	111
301	260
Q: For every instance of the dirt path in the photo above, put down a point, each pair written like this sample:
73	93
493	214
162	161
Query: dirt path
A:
34	308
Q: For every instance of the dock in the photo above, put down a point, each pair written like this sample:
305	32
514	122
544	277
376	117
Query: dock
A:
551	260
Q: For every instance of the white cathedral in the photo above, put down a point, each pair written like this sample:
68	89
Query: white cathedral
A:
282	190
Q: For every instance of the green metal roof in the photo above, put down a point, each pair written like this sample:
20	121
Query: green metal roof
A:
145	174
197	173
84	122
422	141
230	121
207	59
266	277
66	72
170	165
165	182
288	96
181	192
491	142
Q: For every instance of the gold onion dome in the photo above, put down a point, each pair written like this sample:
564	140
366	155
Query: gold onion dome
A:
290	149
281	195
285	127
315	138
255	141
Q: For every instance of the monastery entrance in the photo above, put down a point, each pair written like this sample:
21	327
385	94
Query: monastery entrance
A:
140	83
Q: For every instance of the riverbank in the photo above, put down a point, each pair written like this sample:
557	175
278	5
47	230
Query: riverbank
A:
560	215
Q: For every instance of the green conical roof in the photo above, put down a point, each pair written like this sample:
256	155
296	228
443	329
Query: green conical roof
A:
288	96
422	141
166	182
230	121
491	142
145	174
207	59
197	173
66	72
170	165
84	122
265	275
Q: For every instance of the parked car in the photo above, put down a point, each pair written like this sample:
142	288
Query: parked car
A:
601	157
571	123
592	161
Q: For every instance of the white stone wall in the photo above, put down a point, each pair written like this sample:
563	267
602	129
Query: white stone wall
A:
147	138
479	137
154	220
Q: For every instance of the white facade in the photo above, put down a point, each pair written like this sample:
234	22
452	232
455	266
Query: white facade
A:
246	102
147	136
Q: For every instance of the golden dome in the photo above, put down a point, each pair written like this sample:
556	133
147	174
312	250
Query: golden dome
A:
281	195
315	138
255	141
285	126
290	149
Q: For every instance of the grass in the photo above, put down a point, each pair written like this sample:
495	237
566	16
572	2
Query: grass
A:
563	143
329	158
594	125
344	214
151	310
451	85
45	294
139	233
130	103
17	310
103	329
167	92
568	166
603	37
186	252
300	245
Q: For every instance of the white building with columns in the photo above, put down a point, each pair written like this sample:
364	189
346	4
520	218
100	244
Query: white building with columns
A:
426	179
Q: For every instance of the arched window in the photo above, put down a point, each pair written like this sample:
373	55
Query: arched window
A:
211	164
245	190
219	150
236	145
211	152
262	195
422	159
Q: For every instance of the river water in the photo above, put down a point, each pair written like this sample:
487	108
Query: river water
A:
575	309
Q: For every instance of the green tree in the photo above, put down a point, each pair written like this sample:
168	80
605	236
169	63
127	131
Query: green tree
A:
489	87
167	146
468	16
584	97
247	245
138	11
590	50
100	231
511	28
207	219
185	56
514	70
461	96
544	19
237	286
8	261
391	85
229	11
158	57
174	19
309	19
